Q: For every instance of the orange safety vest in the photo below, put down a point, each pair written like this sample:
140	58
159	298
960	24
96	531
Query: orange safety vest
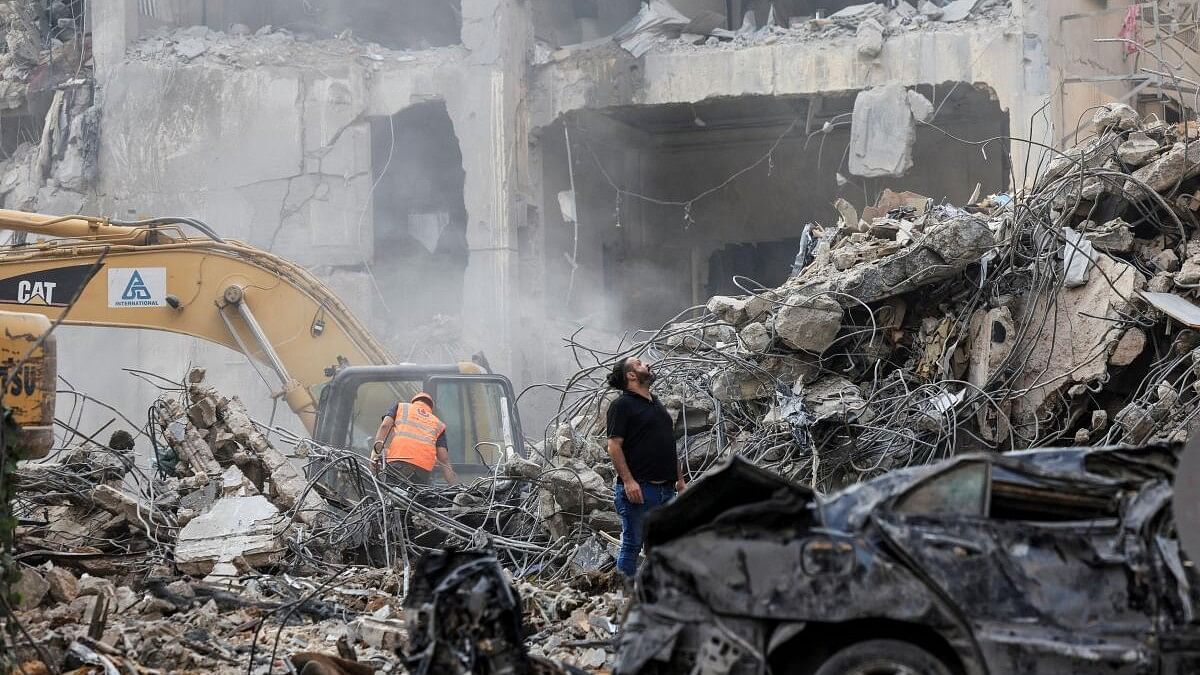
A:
414	436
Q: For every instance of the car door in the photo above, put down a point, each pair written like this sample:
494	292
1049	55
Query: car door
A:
1043	589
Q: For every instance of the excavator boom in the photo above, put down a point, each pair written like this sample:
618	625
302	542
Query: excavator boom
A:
151	275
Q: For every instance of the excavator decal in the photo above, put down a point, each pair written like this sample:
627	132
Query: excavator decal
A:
53	287
137	286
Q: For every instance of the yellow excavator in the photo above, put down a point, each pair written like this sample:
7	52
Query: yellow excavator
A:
158	274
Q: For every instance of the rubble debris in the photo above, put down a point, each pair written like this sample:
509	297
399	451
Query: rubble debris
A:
1048	316
808	324
945	550
957	10
235	528
1137	149
654	19
664	28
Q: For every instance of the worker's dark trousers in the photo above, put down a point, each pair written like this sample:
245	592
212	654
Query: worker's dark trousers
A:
403	472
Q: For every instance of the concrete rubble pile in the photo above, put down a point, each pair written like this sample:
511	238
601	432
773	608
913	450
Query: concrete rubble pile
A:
270	45
143	620
659	25
913	331
225	555
46	90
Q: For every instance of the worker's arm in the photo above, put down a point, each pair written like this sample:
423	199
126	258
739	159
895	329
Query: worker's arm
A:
680	483
615	450
377	451
443	460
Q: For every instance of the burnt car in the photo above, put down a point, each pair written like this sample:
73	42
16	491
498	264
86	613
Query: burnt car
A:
1061	560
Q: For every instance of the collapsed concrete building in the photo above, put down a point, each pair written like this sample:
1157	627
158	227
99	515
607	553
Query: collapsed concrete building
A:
531	166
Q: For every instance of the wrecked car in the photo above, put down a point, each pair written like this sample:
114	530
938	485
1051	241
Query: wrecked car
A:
1042	561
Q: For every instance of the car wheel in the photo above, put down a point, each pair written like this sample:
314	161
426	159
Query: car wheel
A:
883	657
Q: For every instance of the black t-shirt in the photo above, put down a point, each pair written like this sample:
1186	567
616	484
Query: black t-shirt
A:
441	439
648	437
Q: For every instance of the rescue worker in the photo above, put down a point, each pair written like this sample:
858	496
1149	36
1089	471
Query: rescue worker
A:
418	442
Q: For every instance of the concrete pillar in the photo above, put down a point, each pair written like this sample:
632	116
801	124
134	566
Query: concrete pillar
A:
490	123
114	26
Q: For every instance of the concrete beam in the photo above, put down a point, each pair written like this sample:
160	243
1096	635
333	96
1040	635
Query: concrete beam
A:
114	26
1003	57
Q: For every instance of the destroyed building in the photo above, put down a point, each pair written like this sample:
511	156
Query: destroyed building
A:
537	165
905	230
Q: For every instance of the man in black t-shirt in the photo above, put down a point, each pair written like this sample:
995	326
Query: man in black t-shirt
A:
641	443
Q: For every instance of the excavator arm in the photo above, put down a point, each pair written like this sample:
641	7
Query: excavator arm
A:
152	275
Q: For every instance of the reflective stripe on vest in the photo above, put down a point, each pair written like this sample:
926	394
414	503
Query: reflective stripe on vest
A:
414	436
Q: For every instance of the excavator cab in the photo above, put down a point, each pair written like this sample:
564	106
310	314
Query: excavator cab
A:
479	410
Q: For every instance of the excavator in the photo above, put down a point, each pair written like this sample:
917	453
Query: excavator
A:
178	275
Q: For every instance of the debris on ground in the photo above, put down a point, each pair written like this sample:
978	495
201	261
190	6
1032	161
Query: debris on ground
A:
909	333
661	26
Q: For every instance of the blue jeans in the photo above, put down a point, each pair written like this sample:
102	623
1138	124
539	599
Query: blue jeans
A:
633	517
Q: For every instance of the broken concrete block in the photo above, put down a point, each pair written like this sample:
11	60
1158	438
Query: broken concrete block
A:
1161	282
235	527
930	10
882	132
922	111
139	513
1085	333
697	336
235	483
203	412
1115	116
869	38
289	487
1129	347
1137	149
728	309
31	589
760	306
62	585
832	398
689	415
755	337
383	635
992	338
578	488
126	599
853	15
1179	163
808	324
1167	260
1114	236
90	585
517	466
957	10
946	249
1189	272
737	384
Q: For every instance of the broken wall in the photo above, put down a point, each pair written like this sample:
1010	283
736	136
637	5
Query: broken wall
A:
1085	72
268	138
766	175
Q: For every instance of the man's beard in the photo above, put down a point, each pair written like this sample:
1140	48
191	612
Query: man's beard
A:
646	378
